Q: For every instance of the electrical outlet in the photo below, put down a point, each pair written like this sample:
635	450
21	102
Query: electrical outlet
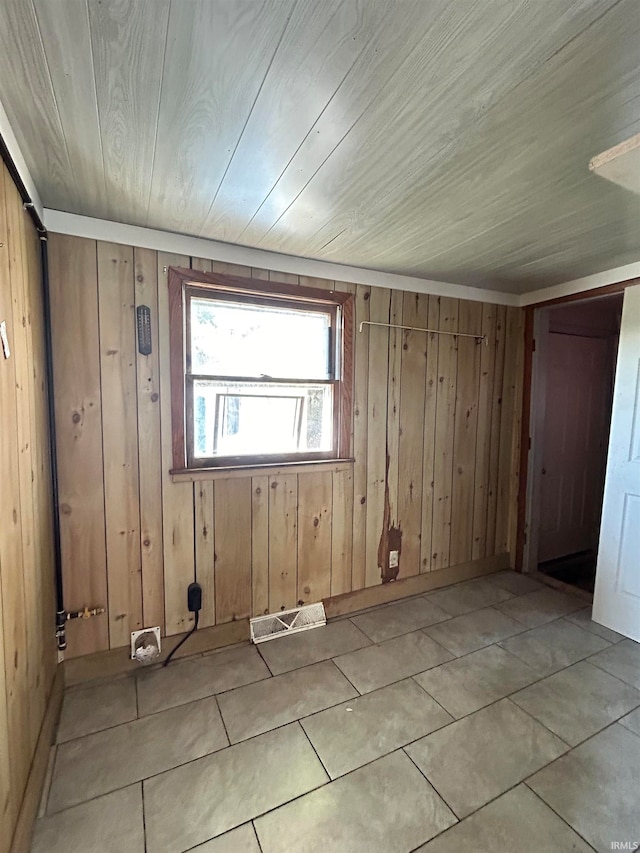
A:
394	559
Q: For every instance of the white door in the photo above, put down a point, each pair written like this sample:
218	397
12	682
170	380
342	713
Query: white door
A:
574	444
616	601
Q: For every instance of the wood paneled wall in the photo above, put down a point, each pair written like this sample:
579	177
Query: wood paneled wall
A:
435	442
27	601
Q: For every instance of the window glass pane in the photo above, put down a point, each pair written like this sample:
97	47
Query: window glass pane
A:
247	419
236	339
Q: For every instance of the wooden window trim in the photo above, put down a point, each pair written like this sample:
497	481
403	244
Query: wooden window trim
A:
179	280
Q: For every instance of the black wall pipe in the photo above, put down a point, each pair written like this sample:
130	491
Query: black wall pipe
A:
61	615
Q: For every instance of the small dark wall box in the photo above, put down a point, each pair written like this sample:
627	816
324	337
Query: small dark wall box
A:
143	318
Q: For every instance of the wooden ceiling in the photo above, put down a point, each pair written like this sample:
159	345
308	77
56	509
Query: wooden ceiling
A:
448	139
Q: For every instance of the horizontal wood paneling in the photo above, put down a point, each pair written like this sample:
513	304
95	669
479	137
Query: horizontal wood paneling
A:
27	601
433	442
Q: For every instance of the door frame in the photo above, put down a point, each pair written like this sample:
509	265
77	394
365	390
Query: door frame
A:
534	381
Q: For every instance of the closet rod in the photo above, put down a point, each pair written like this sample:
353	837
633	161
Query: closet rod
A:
416	329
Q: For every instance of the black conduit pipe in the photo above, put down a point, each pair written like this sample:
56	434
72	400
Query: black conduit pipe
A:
61	614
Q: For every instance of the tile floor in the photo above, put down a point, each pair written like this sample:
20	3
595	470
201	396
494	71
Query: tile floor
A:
493	715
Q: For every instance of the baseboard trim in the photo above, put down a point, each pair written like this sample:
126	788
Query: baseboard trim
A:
350	602
31	800
118	661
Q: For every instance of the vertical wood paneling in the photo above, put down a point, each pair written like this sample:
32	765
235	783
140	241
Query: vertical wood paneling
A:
284	277
360	432
150	472
232	519
341	532
465	431
203	502
518	345
496	418
24	581
283	535
177	498
315	511
428	440
428	471
393	402
78	405
260	545
411	434
483	437
510	422
376	429
27	645
120	439
14	693
444	434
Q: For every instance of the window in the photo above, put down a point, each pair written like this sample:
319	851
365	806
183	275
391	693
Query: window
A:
260	371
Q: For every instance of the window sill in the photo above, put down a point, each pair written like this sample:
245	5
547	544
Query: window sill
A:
190	475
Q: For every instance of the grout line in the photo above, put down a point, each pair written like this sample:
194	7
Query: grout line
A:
403	748
545	803
224	725
255	832
422	773
412	677
316	753
144	816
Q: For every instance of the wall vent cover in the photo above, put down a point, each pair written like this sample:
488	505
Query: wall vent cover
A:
287	622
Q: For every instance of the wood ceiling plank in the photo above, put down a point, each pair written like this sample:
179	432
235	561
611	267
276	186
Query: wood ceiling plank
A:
61	25
387	51
467	60
443	139
321	46
28	97
527	165
218	53
128	44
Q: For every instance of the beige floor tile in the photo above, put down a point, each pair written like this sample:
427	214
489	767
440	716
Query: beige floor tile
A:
240	840
361	730
622	660
516	821
194	803
466	684
335	638
473	631
632	721
479	757
583	619
195	678
257	708
594	788
554	646
536	608
96	707
577	702
397	619
469	596
104	761
377	666
385	807
515	583
113	822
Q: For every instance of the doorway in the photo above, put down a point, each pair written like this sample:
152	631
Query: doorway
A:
571	399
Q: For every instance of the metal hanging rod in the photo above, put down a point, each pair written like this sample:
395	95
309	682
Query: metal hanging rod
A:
429	331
